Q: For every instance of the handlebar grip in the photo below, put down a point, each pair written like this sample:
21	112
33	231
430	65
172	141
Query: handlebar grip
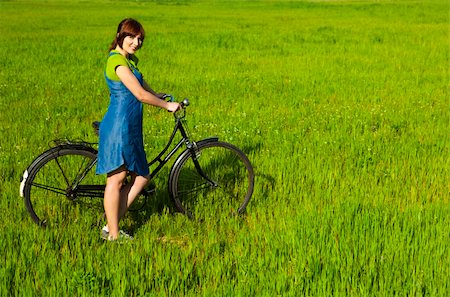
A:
184	103
171	98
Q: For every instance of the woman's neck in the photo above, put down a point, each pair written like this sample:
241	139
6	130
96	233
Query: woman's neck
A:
122	52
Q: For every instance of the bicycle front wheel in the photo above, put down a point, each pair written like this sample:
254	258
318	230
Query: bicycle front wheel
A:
57	180
218	180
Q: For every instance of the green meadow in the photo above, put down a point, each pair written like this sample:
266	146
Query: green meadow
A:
341	106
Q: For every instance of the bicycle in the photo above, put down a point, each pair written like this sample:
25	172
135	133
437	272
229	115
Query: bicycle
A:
208	174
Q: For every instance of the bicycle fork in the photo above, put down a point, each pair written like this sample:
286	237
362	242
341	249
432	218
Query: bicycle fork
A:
195	155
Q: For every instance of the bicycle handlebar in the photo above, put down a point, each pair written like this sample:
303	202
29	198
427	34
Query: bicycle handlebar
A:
165	96
183	104
170	98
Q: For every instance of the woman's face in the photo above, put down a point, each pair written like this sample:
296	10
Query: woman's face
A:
131	44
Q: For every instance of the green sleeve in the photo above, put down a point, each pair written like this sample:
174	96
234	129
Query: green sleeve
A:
118	60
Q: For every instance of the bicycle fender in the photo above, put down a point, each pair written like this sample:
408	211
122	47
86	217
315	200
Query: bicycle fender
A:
197	144
56	149
51	151
209	139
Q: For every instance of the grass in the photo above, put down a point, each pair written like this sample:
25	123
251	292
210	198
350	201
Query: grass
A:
342	107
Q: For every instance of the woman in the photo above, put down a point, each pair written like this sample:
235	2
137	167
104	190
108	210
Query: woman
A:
121	148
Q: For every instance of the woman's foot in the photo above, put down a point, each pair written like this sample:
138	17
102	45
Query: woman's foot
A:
121	236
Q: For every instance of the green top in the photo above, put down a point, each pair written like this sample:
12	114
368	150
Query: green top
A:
118	60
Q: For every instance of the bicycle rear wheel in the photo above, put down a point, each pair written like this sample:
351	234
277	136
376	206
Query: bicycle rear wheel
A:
218	181
55	182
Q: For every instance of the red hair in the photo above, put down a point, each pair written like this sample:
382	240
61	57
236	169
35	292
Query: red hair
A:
127	27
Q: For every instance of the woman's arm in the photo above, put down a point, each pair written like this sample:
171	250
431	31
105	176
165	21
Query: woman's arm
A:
146	96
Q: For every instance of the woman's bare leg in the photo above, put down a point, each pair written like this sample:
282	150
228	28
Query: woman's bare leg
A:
112	197
130	191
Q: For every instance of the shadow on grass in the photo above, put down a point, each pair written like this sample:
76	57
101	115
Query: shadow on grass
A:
159	202
264	182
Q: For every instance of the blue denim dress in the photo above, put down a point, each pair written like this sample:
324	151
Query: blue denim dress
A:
120	135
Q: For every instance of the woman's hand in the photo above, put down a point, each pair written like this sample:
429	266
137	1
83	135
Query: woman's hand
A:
173	106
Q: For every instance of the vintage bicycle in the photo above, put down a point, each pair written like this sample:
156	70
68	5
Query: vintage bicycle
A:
207	176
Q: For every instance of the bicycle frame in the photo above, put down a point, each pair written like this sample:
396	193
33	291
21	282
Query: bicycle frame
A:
76	189
192	146
67	168
184	140
162	158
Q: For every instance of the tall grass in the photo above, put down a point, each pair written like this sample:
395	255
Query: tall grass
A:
342	107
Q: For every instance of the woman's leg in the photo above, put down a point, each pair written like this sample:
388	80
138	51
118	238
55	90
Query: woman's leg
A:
112	198
131	191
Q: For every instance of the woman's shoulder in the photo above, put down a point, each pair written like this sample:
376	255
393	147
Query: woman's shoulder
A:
116	58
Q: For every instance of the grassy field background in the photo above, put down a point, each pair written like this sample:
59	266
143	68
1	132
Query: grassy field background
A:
342	107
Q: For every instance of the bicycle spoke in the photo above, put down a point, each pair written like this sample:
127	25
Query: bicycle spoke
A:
219	181
80	173
84	170
196	189
50	188
62	171
61	184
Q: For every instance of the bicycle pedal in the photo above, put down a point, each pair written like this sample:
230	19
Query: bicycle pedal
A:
149	192
150	188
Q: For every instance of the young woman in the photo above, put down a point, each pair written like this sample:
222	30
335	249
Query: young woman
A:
121	148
